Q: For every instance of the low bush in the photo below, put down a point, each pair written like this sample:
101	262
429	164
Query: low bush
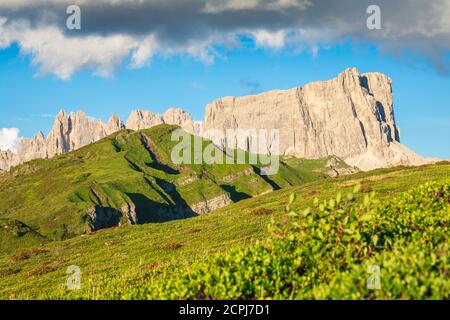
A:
331	251
350	247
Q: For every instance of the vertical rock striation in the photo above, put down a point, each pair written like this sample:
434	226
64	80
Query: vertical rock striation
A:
350	116
75	130
69	132
140	119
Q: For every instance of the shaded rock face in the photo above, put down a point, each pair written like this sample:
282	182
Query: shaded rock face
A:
101	218
129	210
350	116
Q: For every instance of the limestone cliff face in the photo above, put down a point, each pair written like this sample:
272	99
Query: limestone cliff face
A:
350	116
69	132
144	119
7	160
140	119
75	130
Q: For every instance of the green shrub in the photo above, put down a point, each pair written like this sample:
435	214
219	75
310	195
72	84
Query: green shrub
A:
325	252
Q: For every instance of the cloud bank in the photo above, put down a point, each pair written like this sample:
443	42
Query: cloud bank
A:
9	139
136	30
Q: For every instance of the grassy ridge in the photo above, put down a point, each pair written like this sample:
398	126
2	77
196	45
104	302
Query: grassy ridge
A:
129	170
15	236
120	257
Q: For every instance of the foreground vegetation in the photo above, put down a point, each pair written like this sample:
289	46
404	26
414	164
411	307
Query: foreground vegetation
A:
321	253
326	252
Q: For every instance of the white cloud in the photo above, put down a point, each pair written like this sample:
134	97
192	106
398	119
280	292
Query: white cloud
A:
56	53
144	52
9	139
273	40
53	52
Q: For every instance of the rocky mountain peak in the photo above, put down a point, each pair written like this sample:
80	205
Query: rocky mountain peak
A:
140	119
350	116
40	137
61	115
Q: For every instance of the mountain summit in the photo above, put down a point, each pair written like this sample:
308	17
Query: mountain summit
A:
350	116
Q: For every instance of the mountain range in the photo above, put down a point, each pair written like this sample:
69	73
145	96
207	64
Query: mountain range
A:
350	116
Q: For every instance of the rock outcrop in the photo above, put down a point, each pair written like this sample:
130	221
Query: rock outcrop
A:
101	218
69	132
7	160
75	130
336	167
140	119
208	205
350	116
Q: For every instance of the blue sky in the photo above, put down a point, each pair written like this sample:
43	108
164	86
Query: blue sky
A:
183	58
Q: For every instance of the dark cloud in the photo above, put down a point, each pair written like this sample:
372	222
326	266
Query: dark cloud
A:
173	21
421	26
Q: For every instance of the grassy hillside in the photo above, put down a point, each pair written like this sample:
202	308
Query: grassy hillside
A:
339	249
116	262
128	178
15	236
